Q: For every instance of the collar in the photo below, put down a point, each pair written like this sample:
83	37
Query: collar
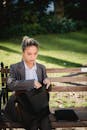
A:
33	68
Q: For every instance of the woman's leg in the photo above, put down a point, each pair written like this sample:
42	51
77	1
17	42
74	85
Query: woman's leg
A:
45	123
34	125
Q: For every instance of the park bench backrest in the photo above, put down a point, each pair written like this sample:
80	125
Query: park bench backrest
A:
62	79
68	79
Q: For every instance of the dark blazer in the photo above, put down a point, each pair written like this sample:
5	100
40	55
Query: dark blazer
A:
16	80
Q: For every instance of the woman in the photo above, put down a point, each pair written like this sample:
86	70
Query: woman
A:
26	76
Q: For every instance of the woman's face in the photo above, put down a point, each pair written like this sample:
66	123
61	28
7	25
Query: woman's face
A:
30	54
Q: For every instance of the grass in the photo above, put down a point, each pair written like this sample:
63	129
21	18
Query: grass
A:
68	99
56	50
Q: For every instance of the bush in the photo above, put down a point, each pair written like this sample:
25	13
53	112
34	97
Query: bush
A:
54	25
47	24
21	30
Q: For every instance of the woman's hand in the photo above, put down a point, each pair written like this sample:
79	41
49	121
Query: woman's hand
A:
46	82
37	84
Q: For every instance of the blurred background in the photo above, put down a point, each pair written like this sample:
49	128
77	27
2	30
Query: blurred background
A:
20	17
60	26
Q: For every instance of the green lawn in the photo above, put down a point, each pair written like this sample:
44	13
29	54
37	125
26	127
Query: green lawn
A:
56	50
64	50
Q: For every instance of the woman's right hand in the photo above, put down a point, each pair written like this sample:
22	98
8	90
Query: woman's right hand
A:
37	84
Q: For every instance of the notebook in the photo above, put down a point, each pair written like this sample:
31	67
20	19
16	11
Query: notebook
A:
66	115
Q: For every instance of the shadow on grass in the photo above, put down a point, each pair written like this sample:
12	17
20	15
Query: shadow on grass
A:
47	59
9	50
64	44
58	61
72	42
76	36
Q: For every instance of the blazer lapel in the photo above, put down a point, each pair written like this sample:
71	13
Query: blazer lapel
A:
22	70
39	72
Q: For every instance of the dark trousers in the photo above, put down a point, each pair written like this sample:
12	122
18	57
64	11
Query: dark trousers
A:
44	124
29	120
22	112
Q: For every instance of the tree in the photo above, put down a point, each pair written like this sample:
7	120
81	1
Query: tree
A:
76	9
6	12
83	10
59	8
2	13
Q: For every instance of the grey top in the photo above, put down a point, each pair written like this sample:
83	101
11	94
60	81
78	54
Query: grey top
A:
30	73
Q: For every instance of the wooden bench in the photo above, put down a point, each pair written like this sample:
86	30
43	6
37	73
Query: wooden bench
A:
69	80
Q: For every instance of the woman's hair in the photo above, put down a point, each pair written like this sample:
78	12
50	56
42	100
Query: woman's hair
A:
27	42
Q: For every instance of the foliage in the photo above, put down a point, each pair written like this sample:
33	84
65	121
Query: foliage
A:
21	11
21	30
76	9
54	25
48	24
31	11
17	19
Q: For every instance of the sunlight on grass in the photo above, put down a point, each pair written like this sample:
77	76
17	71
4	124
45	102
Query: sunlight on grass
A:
62	50
68	99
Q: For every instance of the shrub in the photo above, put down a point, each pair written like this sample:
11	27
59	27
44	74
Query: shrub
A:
47	24
22	29
54	25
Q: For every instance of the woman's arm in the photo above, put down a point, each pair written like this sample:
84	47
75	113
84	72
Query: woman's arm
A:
16	84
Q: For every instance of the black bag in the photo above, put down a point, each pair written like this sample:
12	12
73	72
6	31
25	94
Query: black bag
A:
66	115
39	99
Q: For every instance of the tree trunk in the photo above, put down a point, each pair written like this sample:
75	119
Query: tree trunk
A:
59	8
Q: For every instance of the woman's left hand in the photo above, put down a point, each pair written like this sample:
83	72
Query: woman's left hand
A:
46	82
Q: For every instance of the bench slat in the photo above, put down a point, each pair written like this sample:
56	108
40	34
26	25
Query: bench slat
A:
65	70
69	124
82	114
54	124
68	88
73	79
68	79
61	79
